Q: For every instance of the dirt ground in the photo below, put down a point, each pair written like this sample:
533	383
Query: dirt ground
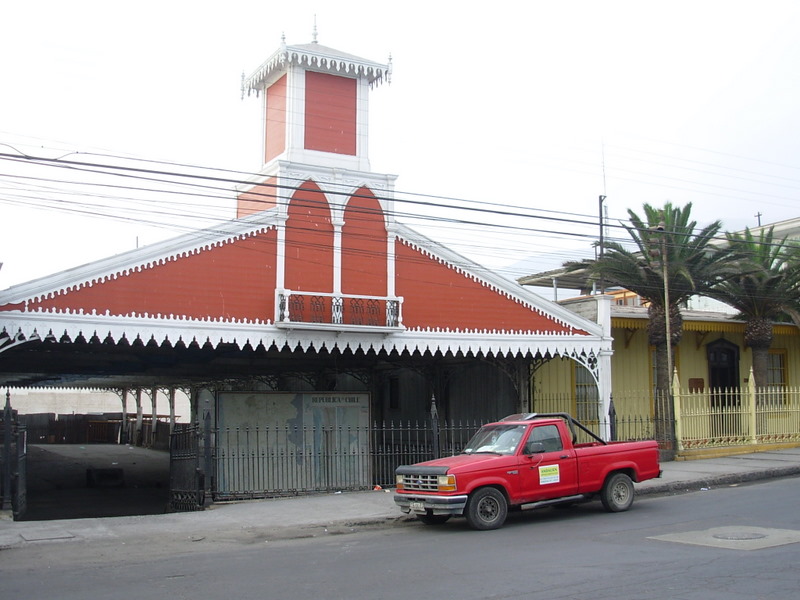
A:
72	481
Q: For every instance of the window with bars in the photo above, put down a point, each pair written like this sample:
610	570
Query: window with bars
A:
587	407
776	369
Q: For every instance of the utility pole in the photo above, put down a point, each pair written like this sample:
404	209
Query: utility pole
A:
602	239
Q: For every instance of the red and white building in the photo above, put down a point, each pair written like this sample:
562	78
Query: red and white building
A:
314	286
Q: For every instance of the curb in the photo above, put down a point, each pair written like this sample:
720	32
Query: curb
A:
693	485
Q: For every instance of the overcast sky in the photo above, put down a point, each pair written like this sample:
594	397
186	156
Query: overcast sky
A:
538	107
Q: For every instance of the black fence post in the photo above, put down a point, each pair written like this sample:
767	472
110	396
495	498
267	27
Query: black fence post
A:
435	427
612	419
208	475
7	432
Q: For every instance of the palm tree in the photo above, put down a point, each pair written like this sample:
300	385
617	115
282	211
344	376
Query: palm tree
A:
766	289
668	248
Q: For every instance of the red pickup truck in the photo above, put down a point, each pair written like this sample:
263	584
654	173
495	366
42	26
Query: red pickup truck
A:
525	461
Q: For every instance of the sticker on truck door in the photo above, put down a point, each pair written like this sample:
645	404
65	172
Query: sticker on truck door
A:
549	474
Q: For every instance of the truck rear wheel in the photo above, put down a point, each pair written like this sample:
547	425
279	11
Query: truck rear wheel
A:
487	509
617	493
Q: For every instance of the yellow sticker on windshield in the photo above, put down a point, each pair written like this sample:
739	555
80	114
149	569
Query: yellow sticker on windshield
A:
549	474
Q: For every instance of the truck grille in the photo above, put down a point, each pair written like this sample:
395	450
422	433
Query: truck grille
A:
421	483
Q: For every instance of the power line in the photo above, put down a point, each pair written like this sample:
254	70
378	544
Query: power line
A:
190	180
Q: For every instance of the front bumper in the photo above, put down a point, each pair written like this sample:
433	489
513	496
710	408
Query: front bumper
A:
430	504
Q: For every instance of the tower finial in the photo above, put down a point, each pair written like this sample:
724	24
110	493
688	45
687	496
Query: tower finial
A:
314	34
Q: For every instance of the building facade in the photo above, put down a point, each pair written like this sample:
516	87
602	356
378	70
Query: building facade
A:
314	306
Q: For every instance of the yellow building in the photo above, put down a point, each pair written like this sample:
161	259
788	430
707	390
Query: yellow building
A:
714	401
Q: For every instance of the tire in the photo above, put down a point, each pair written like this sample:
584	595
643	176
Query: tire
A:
617	493
434	519
487	509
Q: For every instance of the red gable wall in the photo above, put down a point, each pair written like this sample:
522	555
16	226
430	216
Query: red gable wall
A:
438	296
231	281
237	280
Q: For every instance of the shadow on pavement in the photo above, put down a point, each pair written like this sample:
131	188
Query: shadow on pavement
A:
73	481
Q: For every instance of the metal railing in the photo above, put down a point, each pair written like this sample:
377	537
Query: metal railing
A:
326	309
712	418
717	418
697	419
260	462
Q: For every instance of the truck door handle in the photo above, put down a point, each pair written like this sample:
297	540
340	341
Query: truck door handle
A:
564	456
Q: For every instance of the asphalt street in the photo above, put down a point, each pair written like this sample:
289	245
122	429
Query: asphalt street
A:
733	542
302	516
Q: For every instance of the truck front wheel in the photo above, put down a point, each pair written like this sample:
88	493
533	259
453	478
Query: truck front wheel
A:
617	493
487	509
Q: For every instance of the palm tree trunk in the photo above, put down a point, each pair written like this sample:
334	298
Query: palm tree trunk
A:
758	336
760	365
664	411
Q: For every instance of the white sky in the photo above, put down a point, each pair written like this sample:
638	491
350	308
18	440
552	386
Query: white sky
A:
536	106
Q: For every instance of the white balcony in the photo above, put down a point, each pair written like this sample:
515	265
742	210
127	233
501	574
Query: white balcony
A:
339	312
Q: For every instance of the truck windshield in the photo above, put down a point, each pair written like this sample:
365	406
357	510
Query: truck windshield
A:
497	439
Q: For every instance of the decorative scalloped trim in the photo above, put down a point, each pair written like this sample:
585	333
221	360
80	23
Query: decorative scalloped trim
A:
145	335
374	73
527	332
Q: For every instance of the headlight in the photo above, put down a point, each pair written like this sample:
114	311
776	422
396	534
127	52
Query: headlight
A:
446	483
398	480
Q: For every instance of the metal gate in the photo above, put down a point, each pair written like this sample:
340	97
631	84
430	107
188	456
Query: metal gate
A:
13	466
186	480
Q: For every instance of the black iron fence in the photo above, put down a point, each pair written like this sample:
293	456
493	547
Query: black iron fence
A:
186	476
262	462
271	461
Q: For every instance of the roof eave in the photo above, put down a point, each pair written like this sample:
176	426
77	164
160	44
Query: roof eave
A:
319	58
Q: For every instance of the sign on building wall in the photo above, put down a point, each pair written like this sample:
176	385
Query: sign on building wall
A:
271	443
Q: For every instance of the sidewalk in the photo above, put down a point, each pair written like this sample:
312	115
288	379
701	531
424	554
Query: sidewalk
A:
304	515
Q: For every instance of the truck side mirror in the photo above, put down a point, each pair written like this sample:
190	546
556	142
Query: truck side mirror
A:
534	448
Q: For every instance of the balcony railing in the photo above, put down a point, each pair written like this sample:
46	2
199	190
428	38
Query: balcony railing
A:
337	311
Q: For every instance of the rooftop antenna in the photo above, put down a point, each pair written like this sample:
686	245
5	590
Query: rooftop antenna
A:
314	33
758	216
